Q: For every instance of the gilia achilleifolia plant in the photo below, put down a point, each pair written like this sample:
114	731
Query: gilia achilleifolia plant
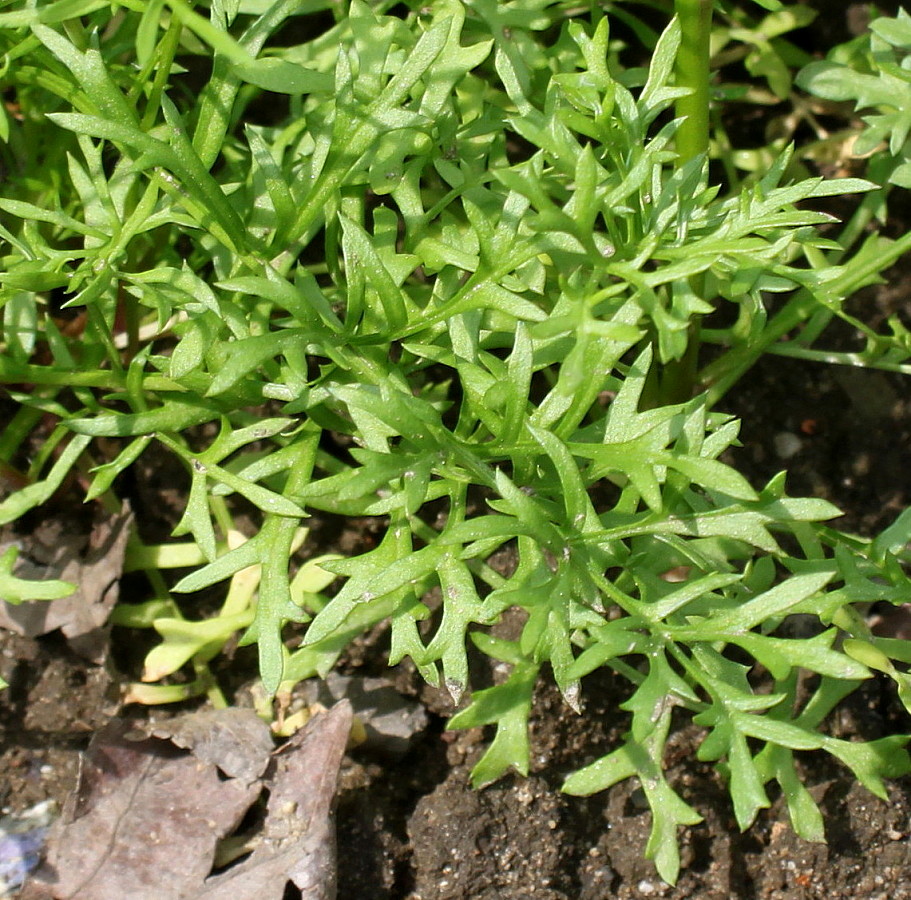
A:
457	242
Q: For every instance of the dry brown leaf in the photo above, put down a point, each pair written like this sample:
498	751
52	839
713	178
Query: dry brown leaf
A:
58	554
238	743
298	839
146	817
143	822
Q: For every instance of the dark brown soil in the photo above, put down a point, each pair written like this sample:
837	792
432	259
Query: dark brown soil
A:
413	829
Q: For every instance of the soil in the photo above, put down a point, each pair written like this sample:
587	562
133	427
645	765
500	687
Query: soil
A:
411	828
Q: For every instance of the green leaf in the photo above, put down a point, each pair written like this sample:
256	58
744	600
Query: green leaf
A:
871	761
895	31
771	603
196	519
20	590
806	817
304	300
247	554
51	13
34	213
92	74
461	607
177	413
746	785
779	655
669	812
575	497
776	731
656	95
361	253
611	640
508	706
602	774
711	474
17	504
390	571
282	76
203	194
250	353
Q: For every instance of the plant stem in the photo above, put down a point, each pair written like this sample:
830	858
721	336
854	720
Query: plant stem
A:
724	372
692	137
674	382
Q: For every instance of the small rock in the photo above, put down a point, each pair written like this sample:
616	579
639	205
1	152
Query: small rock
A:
390	720
787	444
21	842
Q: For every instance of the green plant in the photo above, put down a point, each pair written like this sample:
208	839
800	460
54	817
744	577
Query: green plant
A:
463	243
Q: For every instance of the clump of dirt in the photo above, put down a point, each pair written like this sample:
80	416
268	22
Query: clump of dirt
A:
404	837
55	701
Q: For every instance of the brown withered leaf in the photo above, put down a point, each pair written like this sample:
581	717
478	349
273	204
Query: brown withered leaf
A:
139	806
147	816
298	838
95	567
238	743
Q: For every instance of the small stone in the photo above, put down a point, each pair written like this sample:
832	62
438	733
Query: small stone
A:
390	720
787	444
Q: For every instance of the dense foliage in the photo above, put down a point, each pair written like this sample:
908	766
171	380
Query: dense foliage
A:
447	267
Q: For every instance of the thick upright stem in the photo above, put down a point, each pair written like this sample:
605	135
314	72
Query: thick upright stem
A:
678	378
695	18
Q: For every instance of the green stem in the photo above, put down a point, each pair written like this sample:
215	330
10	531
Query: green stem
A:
158	68
674	382
695	17
721	375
